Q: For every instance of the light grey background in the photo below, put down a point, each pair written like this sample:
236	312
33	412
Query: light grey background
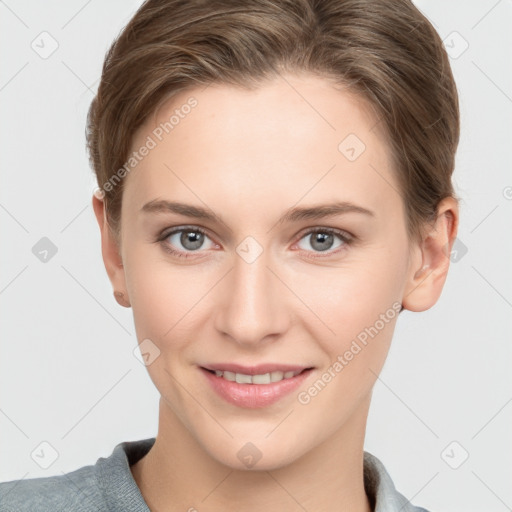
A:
68	374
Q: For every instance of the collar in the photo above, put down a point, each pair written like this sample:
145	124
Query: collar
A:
121	490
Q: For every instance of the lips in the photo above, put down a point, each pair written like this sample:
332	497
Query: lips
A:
256	369
259	374
254	386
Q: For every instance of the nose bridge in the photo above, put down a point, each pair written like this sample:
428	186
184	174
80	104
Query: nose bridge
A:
252	309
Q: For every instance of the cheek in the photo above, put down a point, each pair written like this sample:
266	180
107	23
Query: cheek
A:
165	303
361	307
354	295
357	306
164	297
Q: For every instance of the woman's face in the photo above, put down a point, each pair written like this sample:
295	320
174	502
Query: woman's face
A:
302	264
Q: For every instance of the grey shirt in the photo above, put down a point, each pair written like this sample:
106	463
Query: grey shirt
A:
108	486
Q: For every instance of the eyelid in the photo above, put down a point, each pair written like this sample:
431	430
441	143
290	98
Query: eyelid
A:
344	235
167	232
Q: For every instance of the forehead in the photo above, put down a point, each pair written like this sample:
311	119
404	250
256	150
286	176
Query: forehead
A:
293	137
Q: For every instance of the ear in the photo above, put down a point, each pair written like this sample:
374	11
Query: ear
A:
110	251
431	259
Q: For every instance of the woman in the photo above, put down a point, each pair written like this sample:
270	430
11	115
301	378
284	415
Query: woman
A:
274	189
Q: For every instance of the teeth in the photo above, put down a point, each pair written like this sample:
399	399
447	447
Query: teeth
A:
243	379
261	379
266	378
229	376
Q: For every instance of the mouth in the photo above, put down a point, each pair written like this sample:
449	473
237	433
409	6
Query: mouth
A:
256	386
258	378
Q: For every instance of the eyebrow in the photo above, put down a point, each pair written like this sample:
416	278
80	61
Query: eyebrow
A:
291	215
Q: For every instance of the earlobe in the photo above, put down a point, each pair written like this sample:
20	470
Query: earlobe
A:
430	264
110	251
121	299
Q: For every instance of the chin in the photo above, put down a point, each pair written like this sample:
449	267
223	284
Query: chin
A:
256	455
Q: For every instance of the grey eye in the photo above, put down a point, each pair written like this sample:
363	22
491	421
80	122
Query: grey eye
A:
189	239
322	240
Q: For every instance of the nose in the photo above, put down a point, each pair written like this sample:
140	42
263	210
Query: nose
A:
253	305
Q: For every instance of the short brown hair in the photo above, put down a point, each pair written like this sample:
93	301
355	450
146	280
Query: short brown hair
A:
385	51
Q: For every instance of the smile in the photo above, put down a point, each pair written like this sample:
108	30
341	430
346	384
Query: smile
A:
265	378
254	387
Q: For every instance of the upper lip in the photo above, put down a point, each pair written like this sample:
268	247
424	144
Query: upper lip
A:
259	369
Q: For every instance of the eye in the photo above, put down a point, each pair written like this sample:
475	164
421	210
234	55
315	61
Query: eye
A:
183	240
324	239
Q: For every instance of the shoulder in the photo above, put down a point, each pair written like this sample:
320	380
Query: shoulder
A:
380	488
77	491
105	486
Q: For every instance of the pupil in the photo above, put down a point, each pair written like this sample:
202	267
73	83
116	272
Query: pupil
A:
192	239
321	238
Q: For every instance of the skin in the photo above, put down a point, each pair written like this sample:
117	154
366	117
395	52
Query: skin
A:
249	156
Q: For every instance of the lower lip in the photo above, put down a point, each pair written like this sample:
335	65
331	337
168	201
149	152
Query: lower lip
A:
253	396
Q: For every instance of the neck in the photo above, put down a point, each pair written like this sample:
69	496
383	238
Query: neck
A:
178	474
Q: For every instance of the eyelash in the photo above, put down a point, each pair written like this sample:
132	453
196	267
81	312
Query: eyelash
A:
345	237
